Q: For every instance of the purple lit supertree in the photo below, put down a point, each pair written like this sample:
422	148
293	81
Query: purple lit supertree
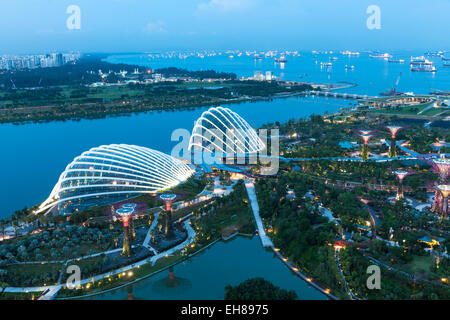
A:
365	149
444	189
442	167
365	135
401	175
393	149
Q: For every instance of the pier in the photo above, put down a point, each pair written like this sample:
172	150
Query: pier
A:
339	95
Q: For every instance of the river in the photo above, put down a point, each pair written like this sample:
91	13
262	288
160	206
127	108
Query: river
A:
36	154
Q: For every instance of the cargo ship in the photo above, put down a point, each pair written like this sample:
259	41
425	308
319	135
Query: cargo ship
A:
420	61
423	68
380	56
396	60
281	59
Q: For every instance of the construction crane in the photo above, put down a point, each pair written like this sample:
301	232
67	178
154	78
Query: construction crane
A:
393	91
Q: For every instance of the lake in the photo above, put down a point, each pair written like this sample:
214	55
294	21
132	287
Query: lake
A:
226	263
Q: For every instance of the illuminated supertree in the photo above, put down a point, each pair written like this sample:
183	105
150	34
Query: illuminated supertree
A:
401	175
125	214
133	206
365	149
442	167
393	149
437	146
445	191
168	199
361	132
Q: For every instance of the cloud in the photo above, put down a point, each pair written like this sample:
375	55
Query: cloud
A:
157	26
225	5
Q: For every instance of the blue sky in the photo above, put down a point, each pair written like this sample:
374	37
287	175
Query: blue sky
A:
28	26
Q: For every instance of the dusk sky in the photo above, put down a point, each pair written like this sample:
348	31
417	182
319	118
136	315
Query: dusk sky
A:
33	26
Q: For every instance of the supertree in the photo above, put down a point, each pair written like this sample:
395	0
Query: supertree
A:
125	214
168	198
365	148
438	146
442	167
444	189
393	148
401	175
133	206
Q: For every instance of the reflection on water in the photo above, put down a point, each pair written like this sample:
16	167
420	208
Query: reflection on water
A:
171	286
205	275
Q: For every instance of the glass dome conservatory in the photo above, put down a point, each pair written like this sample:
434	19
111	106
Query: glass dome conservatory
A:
111	173
220	130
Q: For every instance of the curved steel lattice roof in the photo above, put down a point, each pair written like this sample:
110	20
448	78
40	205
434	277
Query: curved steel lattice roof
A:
114	170
221	130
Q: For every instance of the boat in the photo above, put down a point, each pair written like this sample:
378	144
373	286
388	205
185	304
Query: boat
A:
393	91
423	68
349	53
281	59
326	64
380	56
420	60
396	60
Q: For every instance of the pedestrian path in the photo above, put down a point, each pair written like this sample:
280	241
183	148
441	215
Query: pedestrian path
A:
149	236
249	185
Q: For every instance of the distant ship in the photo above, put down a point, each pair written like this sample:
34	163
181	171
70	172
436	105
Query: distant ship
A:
420	60
281	59
257	57
393	91
349	67
396	60
349	53
434	54
326	64
423	68
380	56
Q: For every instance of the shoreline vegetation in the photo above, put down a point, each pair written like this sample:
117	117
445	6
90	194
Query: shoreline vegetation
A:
84	91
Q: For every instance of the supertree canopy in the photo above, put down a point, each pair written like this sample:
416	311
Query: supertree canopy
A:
125	214
393	148
365	149
401	175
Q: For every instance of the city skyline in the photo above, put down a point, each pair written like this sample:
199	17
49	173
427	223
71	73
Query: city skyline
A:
42	26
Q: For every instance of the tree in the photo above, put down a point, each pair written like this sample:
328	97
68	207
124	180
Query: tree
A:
258	289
